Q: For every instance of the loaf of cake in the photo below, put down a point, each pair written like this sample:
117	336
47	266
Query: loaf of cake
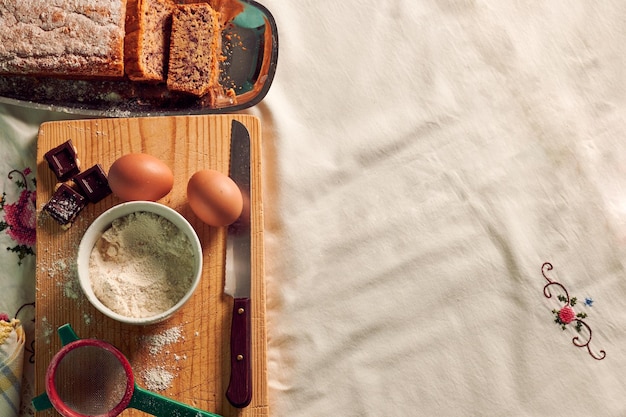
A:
195	49
148	27
78	38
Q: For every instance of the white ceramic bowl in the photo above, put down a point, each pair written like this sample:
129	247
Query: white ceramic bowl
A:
102	223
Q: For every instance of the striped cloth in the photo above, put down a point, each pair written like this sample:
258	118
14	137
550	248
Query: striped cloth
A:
12	339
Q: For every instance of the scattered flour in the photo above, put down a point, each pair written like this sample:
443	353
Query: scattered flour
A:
46	329
156	342
64	272
157	378
160	377
71	289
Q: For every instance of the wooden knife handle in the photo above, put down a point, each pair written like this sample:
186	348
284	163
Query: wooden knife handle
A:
239	392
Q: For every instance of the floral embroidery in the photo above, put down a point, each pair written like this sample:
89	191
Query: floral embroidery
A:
20	217
566	314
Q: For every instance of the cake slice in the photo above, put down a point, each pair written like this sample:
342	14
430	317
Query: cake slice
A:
148	27
80	38
195	49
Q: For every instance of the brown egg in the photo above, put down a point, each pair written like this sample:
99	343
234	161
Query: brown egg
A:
214	197
139	176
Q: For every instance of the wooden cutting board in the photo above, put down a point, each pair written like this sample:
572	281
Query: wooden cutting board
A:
186	357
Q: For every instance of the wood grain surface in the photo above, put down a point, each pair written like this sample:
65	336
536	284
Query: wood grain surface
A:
190	351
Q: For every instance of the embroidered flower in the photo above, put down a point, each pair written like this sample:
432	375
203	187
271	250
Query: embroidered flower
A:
20	217
567	315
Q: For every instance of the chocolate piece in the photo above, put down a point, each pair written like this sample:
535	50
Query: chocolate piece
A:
62	160
93	183
65	204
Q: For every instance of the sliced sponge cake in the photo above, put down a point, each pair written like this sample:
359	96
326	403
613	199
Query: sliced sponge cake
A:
148	26
195	49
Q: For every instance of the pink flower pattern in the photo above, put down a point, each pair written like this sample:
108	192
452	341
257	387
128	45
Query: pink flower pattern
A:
20	217
567	315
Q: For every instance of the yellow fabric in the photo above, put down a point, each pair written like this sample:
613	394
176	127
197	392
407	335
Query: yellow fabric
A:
5	330
12	339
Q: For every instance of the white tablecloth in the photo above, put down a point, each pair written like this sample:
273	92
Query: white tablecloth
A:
422	161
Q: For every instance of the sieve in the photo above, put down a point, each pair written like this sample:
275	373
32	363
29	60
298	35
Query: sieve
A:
90	377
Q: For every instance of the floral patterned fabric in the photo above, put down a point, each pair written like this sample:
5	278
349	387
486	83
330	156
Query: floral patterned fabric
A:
18	133
19	223
20	216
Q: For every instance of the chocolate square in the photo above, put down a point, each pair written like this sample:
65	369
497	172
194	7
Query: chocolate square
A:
65	204
63	160
93	183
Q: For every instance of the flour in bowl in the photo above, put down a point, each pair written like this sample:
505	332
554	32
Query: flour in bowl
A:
142	265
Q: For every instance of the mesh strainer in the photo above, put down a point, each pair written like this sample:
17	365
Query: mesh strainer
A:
90	377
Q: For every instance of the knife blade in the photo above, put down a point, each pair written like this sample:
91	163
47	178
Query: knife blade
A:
238	278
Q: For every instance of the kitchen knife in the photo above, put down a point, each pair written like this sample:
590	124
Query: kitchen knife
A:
237	281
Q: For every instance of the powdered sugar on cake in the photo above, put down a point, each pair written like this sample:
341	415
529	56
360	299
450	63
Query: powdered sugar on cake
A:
63	37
